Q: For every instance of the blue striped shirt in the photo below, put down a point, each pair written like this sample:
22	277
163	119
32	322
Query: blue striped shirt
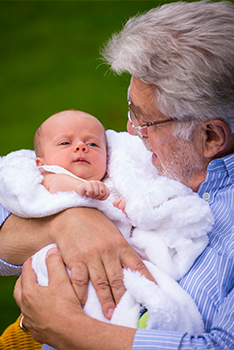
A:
3	214
210	281
7	269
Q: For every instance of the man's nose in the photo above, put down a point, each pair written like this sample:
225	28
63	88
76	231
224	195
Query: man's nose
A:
130	129
144	132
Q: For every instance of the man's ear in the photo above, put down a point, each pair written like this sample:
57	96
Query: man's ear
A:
39	161
215	137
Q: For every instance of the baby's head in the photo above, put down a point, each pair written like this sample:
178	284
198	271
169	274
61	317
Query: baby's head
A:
74	140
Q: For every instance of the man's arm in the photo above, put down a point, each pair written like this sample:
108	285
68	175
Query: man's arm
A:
91	246
21	238
220	336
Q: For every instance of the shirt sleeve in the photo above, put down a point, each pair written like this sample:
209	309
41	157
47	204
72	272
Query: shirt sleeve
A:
220	337
4	213
7	269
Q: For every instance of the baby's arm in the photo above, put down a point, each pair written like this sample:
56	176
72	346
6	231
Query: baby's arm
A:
65	183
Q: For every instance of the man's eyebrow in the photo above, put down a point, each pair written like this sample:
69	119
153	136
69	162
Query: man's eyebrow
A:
138	110
135	108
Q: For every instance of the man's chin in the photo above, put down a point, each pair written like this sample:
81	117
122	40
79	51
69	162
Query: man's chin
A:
167	173
157	165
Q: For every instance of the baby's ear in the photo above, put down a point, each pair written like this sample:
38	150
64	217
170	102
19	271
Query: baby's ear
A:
39	161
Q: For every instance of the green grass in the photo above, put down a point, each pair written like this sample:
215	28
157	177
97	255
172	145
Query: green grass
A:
9	311
50	61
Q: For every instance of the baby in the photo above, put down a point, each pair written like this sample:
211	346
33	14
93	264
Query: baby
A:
74	141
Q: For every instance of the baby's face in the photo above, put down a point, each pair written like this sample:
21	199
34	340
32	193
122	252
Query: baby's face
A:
75	141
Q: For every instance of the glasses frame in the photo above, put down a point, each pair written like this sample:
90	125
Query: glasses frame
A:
138	128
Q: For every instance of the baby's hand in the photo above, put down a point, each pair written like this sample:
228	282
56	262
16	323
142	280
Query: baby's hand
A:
120	203
94	189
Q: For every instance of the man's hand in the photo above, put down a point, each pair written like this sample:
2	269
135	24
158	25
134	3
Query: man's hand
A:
54	316
92	247
43	307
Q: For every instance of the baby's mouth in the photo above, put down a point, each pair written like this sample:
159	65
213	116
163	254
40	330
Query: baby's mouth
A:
81	160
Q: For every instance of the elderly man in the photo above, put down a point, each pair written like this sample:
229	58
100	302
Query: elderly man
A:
181	104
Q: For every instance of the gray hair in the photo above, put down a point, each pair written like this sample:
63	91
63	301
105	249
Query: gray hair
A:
186	51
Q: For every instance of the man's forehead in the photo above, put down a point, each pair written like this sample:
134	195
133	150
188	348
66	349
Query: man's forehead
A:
142	97
140	91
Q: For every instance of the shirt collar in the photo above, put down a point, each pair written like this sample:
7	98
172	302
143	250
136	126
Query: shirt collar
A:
220	172
221	165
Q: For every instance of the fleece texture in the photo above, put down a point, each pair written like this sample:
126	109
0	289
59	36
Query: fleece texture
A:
166	223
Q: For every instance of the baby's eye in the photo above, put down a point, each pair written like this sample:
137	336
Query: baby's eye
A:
92	144
64	143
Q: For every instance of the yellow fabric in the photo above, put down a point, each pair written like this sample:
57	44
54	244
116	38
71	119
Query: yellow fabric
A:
13	338
142	323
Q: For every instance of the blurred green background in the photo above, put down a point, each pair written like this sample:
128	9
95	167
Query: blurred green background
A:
50	61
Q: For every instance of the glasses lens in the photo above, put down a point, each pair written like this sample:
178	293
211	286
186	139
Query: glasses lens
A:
133	118
134	123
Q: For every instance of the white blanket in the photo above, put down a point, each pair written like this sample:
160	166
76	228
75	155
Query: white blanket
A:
170	223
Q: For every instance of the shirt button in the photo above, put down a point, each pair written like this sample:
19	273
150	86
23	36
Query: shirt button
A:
206	196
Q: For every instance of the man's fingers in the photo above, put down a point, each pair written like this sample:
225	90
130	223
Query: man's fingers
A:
80	280
28	276
36	302
132	261
129	259
58	275
144	271
101	284
54	264
17	292
27	280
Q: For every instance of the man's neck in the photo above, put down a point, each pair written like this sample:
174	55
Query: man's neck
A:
229	149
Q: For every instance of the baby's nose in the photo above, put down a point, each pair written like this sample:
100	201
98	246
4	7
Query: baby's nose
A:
81	146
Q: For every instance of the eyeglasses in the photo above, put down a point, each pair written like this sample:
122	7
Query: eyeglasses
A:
134	122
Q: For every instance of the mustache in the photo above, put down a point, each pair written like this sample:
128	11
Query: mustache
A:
146	143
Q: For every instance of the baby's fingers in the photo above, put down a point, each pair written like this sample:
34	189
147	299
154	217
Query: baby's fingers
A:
97	190
103	192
